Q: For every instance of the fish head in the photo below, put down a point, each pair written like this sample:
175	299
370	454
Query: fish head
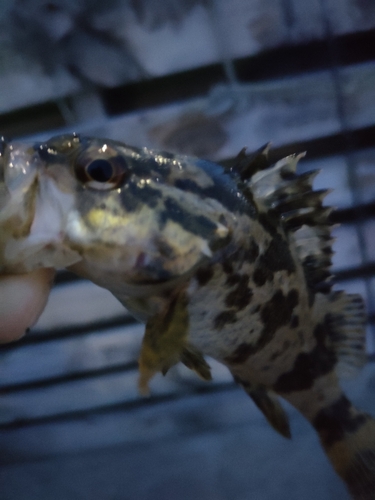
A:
110	212
33	211
17	172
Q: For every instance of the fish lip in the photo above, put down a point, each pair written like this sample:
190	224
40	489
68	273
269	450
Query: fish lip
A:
19	166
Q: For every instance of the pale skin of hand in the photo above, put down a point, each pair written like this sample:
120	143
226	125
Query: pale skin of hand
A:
22	300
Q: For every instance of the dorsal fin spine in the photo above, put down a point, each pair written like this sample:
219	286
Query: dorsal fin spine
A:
282	194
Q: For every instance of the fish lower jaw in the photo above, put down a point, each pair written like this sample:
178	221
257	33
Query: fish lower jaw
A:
27	254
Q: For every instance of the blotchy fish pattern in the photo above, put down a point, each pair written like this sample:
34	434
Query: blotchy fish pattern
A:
233	263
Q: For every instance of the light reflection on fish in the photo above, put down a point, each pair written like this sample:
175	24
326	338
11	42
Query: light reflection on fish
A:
231	263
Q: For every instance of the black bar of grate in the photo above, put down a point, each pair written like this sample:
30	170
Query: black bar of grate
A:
191	390
274	63
354	214
70	331
31	120
352	48
162	90
364	271
281	61
71	377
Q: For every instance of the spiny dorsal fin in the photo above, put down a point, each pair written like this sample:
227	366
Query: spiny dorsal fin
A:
283	195
247	164
268	404
277	183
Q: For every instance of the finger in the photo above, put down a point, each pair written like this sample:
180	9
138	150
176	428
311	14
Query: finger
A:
23	298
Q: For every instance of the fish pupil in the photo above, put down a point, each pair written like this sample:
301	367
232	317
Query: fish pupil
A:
100	170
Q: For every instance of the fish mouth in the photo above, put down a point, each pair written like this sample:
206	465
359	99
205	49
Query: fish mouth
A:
18	166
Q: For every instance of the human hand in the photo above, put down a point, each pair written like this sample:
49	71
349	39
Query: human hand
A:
22	300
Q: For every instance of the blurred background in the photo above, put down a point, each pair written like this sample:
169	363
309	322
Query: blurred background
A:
202	77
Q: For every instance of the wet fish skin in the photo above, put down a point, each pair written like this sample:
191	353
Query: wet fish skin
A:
232	263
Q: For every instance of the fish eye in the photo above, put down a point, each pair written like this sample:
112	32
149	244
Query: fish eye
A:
100	170
101	173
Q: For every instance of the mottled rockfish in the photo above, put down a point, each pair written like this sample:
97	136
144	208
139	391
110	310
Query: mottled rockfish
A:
233	263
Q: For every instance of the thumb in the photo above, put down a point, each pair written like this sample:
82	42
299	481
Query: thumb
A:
23	298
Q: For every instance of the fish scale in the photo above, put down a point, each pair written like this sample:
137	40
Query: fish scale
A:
233	263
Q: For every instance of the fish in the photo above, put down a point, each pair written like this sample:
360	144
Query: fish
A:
231	263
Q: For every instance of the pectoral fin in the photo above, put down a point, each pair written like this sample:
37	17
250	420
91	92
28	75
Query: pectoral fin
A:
164	341
194	360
